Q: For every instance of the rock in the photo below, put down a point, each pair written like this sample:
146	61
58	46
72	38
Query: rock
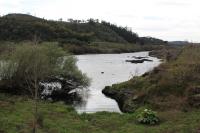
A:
54	88
127	100
135	61
108	91
59	89
139	57
138	61
65	96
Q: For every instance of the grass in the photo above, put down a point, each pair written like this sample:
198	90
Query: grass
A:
16	117
171	85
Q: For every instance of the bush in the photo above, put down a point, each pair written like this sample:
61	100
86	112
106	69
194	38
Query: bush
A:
35	63
148	117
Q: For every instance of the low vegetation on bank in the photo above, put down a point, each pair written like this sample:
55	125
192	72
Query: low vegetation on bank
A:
92	48
108	48
172	85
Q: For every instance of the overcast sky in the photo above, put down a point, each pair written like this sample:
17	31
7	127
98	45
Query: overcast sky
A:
165	19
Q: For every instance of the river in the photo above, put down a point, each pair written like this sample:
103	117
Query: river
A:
105	70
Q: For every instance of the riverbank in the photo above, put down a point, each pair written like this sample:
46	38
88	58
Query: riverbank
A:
92	48
109	48
16	117
172	85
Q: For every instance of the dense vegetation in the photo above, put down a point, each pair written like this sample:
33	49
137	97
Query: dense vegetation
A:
29	64
172	85
20	27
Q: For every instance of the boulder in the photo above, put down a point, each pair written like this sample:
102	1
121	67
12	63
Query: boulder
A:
127	99
59	89
139	61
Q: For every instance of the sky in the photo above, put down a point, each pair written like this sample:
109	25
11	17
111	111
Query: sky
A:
169	20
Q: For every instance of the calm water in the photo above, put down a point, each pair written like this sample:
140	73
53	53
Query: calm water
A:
104	70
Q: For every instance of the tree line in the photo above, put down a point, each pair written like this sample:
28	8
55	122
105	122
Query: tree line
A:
20	27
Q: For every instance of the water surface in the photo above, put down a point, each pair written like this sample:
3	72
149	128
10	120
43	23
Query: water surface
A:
105	70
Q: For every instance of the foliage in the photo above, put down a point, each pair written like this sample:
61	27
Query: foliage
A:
39	62
127	34
151	40
20	27
148	117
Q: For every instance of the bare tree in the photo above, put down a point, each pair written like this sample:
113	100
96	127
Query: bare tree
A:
36	72
33	76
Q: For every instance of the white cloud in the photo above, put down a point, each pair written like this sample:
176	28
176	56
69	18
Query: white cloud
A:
166	19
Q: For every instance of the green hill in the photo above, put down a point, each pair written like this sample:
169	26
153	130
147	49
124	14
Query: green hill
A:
20	27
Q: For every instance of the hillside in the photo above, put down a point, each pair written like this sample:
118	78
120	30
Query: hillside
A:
20	27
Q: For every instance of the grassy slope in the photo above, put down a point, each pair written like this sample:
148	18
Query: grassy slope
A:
16	117
171	85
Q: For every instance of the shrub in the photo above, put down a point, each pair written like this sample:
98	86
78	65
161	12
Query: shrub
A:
148	117
36	63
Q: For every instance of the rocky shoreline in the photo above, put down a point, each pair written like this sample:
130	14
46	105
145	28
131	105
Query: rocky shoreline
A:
52	89
127	99
59	89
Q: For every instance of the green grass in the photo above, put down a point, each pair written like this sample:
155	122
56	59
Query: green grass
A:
16	117
168	86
